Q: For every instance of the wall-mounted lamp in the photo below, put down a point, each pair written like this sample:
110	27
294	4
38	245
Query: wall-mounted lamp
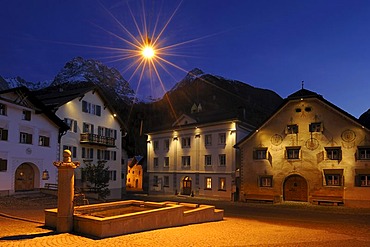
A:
148	141
232	131
197	135
45	175
175	138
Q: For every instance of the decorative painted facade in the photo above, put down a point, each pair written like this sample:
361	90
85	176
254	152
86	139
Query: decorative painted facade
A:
308	150
95	132
195	158
29	142
134	181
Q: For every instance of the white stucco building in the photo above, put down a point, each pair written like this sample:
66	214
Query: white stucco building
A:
95	132
196	156
29	142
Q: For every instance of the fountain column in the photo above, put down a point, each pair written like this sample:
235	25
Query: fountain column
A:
65	192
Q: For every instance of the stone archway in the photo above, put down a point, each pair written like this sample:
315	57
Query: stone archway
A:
24	178
186	186
295	189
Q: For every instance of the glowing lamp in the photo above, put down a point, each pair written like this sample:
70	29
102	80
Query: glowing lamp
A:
148	52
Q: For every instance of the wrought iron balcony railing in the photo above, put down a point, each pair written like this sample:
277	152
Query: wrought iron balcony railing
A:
94	139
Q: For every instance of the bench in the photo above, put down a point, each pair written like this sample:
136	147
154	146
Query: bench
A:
259	198
332	200
51	186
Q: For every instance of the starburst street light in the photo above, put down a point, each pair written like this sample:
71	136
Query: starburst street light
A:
148	51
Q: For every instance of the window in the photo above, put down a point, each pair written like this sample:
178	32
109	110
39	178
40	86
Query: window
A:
185	142
26	115
166	181
333	153
208	140
25	138
44	141
265	181
364	180
3	165
221	183
222	138
333	179
3	134
208	183
208	160
291	129
155	181
222	159
107	132
88	128
155	145
155	162
72	124
3	109
315	127
260	154
292	152
87	153
185	161
167	144
91	108
112	175
72	149
166	161
363	153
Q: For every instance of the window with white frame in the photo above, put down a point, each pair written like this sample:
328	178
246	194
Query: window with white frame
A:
260	153
3	134
333	179
363	153
316	127
166	161
107	132
265	181
291	129
208	140
222	159
26	115
25	138
185	161
2	109
72	124
208	182
88	128
166	181
155	161
364	180
293	153
185	142
333	153
222	183
91	108
222	138
207	160
44	141
87	153
112	175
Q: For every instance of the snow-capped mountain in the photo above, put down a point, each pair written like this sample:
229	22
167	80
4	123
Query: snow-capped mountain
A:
13	82
88	70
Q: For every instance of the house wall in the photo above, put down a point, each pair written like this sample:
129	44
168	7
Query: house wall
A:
313	164
198	171
40	158
73	110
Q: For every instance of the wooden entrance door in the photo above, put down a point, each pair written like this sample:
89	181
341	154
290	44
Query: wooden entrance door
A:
24	178
295	189
186	186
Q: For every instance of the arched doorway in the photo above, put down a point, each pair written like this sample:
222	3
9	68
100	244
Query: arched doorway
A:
295	189
186	186
24	178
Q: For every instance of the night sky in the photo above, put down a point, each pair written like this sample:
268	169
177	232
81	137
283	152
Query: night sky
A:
272	44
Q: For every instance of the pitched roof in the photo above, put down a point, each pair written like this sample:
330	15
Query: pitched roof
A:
25	94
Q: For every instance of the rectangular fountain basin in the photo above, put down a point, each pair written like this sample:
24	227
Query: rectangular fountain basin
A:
130	216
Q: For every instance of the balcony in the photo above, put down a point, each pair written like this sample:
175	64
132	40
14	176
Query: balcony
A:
93	139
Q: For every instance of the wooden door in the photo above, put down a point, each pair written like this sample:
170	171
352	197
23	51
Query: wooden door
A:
295	189
186	186
24	178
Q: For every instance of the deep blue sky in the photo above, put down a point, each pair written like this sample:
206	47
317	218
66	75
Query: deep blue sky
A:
271	44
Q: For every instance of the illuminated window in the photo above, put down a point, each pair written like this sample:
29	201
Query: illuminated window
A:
2	109
292	152
363	153
221	183
208	183
333	153
222	159
208	140
316	127
265	181
208	160
222	138
185	142
291	129
260	154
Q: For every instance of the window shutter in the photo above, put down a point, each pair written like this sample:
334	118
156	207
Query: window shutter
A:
254	154
92	129
98	110
75	126
29	138
84	106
